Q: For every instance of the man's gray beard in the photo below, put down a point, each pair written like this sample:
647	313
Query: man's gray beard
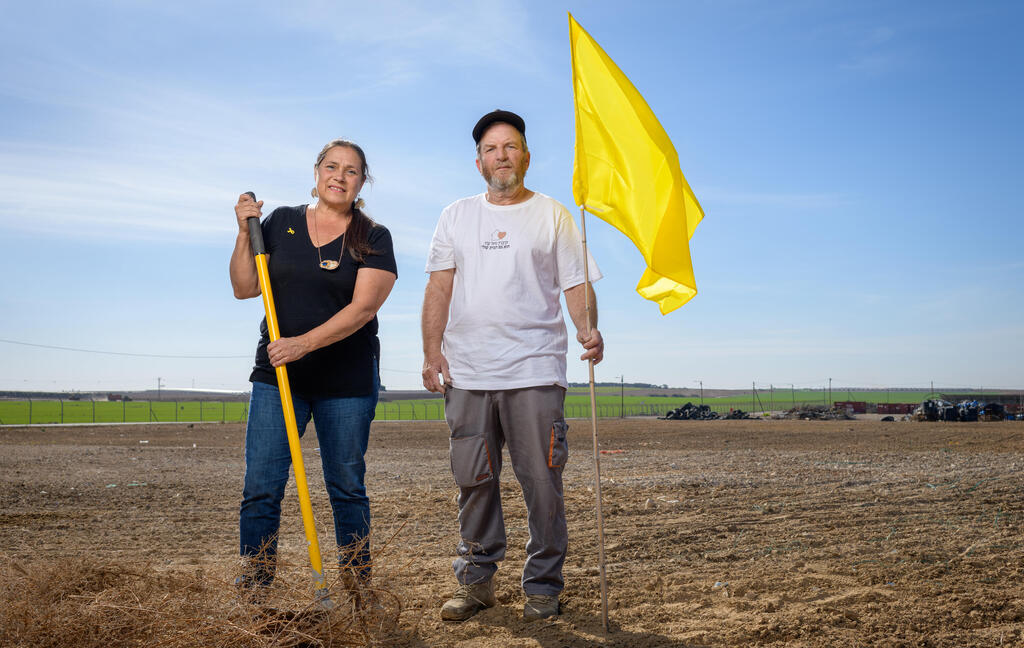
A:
505	184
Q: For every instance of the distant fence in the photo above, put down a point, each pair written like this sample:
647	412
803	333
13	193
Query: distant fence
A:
433	410
40	411
56	411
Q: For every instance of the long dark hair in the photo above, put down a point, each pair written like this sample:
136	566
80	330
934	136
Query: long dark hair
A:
357	236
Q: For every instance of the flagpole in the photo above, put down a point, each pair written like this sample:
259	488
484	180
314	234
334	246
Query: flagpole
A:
593	425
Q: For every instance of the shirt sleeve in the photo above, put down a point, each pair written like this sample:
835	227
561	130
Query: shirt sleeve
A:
383	257
569	253
442	248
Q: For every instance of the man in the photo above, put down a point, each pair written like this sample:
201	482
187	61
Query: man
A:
493	331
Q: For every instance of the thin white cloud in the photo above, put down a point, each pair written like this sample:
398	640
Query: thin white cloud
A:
160	159
473	32
874	63
71	192
128	194
873	50
879	35
166	150
768	199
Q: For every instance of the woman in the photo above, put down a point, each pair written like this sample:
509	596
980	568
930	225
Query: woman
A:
331	268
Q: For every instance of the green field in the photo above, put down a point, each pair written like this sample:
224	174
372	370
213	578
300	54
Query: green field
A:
15	412
577	405
24	412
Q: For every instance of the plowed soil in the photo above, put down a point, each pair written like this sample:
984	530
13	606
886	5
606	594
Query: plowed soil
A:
721	533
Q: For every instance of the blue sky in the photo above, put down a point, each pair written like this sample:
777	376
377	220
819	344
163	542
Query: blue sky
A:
859	164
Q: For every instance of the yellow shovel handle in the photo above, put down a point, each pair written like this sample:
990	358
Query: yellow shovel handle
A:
259	252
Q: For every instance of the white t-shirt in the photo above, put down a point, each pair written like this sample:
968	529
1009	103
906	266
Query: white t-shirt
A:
512	262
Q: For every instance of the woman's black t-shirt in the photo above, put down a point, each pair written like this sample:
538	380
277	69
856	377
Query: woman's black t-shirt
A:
306	296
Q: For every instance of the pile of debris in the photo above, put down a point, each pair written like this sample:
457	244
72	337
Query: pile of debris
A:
817	413
965	411
994	412
736	414
691	412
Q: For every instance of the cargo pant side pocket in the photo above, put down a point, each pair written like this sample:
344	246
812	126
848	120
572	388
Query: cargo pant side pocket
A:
558	447
471	461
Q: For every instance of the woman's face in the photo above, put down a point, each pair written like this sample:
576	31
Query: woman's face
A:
339	177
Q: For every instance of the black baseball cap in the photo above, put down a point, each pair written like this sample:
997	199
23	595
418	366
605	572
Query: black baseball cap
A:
496	116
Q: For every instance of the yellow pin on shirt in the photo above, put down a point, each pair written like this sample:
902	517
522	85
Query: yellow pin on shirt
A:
291	231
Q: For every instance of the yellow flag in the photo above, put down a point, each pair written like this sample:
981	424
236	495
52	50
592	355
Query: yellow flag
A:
627	173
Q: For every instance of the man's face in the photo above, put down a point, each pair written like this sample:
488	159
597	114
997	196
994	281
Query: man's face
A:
501	160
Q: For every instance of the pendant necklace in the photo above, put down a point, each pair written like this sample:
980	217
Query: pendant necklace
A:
329	264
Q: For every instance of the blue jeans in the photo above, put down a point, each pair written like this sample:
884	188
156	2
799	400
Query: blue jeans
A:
343	430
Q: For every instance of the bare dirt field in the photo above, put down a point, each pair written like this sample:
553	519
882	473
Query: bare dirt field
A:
720	533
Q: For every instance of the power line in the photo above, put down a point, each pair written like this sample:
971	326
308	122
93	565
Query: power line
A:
158	355
123	353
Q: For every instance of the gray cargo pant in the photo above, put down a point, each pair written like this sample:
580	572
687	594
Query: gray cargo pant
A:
532	422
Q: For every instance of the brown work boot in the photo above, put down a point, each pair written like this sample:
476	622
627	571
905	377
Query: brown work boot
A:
539	606
468	600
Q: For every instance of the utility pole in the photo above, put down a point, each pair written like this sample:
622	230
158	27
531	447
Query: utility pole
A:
829	403
771	397
701	391
792	393
158	386
753	395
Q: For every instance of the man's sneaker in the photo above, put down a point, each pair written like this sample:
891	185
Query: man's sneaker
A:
539	606
468	600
